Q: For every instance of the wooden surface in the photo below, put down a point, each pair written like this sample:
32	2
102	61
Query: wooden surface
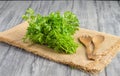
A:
102	16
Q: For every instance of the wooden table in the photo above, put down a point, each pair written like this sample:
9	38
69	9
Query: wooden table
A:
101	16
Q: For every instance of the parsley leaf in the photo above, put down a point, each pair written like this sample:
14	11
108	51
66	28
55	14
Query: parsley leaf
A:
55	30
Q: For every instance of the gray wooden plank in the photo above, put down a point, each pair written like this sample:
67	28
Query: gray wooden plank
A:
11	14
5	48
113	68
9	60
14	62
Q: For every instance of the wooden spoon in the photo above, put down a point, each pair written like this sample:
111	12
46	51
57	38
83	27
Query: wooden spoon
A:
97	40
87	42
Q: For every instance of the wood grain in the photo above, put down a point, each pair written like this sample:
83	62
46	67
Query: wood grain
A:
102	16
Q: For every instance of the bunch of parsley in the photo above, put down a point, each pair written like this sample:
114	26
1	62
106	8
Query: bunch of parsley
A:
55	30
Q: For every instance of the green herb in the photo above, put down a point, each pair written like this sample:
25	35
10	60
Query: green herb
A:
55	30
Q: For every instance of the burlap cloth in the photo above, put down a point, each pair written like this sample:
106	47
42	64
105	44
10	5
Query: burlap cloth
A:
108	49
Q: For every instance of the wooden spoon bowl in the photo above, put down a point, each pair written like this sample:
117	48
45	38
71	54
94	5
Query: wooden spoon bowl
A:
97	40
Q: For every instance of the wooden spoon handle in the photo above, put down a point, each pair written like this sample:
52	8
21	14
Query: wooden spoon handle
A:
89	51
0	36
95	51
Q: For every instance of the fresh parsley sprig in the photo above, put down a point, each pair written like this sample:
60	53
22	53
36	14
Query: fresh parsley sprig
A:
55	30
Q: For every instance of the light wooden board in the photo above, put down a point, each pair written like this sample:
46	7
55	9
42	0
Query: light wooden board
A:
95	15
